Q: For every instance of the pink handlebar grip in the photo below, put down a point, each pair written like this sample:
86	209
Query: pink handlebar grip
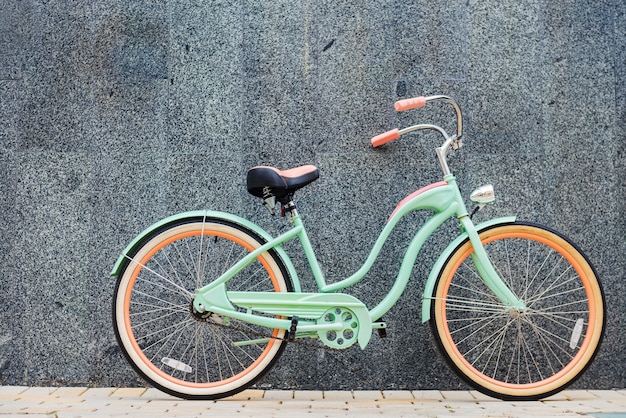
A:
408	104
388	136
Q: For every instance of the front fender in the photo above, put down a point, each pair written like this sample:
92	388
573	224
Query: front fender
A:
139	239
434	272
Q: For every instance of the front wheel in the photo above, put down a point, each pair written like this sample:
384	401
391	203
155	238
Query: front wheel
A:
172	346
524	355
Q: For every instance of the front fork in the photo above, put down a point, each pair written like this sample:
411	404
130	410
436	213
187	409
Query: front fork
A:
487	272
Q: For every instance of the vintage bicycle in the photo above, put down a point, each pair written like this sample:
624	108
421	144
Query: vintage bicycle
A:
206	301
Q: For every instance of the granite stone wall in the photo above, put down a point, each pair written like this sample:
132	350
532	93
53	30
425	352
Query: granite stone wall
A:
116	113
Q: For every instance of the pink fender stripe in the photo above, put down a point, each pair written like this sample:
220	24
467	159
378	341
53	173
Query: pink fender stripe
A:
418	192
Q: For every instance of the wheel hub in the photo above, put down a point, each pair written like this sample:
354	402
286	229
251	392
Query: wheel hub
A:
204	316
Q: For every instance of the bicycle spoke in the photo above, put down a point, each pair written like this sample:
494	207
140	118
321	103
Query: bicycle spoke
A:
473	305
154	308
182	289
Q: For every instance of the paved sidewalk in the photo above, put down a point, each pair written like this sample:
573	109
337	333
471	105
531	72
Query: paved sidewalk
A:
18	401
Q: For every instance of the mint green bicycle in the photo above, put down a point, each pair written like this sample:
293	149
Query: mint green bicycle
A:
206	301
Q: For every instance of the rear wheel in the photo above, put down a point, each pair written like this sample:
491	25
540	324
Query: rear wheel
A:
167	342
519	355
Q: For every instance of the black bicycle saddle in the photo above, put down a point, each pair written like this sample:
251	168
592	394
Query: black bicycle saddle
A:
263	181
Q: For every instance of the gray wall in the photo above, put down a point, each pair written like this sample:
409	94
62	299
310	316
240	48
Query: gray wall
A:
114	114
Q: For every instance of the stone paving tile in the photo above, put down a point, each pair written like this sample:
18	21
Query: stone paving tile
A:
7	397
13	389
427	395
578	394
586	406
363	405
259	406
308	395
98	392
128	392
323	412
398	394
299	405
421	412
316	407
249	394
70	391
367	394
34	415
457	396
608	393
152	393
494	408
278	394
107	412
42	408
338	395
212	412
481	397
38	391
561	396
160	405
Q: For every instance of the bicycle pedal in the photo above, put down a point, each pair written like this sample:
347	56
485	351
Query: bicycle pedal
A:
382	332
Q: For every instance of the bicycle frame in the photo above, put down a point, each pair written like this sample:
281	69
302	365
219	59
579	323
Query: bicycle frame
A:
304	310
443	198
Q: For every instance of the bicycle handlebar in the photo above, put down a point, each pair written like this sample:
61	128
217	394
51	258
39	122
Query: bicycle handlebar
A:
449	142
415	103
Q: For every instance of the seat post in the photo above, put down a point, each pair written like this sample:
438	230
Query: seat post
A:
290	207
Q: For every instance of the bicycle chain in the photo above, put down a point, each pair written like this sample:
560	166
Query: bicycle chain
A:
208	321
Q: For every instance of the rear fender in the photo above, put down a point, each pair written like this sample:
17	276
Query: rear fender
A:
122	260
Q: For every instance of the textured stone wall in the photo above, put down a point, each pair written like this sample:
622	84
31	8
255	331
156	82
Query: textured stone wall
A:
116	113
